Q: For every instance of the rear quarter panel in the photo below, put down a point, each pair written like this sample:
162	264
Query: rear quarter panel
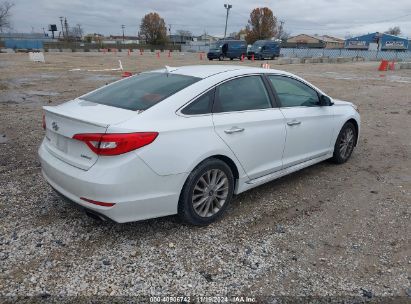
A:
182	143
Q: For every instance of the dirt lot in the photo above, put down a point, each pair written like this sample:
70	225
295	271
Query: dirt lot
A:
325	231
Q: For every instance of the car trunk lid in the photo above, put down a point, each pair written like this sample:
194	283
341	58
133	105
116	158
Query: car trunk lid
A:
78	117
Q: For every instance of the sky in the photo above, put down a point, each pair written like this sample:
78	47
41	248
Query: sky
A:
333	17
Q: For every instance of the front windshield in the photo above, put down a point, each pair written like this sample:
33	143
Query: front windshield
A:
258	44
216	46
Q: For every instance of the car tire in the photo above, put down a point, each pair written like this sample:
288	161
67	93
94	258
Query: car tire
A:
249	57
231	58
344	145
210	59
207	193
221	58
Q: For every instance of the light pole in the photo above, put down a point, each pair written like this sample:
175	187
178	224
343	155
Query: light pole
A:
122	27
227	7
62	28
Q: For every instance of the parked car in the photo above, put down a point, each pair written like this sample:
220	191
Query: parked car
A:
263	49
227	49
185	140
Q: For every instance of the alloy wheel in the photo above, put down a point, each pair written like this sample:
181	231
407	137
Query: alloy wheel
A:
210	193
347	143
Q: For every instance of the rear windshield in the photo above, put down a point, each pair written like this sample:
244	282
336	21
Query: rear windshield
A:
142	91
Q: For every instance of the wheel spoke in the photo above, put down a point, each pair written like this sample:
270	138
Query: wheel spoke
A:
206	207
196	196
218	203
213	177
203	181
343	149
221	184
200	202
198	188
220	176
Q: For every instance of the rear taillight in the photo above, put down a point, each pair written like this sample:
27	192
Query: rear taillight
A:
116	143
44	121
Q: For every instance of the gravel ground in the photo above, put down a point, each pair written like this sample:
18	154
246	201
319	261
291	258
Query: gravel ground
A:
327	230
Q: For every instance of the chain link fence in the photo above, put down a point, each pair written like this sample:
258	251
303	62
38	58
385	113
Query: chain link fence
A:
195	48
334	53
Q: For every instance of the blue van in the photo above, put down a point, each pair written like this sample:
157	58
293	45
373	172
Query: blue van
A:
264	49
227	49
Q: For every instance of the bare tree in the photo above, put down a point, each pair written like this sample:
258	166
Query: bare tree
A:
5	15
394	31
184	33
284	35
77	31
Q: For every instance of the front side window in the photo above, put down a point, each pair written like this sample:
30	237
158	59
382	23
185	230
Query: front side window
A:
294	93
142	91
241	94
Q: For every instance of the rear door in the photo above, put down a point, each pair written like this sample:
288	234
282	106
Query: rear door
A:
309	126
252	128
78	117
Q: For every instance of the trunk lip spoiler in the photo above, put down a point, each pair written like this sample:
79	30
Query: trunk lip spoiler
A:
55	111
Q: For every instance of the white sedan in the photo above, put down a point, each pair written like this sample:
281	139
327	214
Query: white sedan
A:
185	140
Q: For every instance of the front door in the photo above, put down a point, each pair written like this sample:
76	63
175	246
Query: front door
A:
309	126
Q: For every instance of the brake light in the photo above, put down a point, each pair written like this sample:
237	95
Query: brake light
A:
116	143
97	202
44	121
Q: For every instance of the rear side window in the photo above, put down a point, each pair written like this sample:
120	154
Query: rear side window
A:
142	91
202	105
241	94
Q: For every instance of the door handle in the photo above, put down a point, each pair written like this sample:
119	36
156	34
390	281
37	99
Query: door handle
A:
234	130
294	123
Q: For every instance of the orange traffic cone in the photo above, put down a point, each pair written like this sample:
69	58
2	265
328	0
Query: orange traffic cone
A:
126	74
252	57
201	56
391	66
383	65
158	54
242	57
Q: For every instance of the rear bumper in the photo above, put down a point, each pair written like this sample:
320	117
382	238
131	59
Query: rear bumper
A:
137	191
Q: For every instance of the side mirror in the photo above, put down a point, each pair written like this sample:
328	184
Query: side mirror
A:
325	101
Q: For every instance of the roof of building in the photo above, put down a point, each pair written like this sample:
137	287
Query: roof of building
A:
378	33
324	38
125	37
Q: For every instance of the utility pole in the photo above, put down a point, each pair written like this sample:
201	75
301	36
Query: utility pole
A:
80	34
123	27
66	26
280	29
169	34
62	28
227	7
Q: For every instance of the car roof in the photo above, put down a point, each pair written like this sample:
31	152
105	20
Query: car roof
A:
204	71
